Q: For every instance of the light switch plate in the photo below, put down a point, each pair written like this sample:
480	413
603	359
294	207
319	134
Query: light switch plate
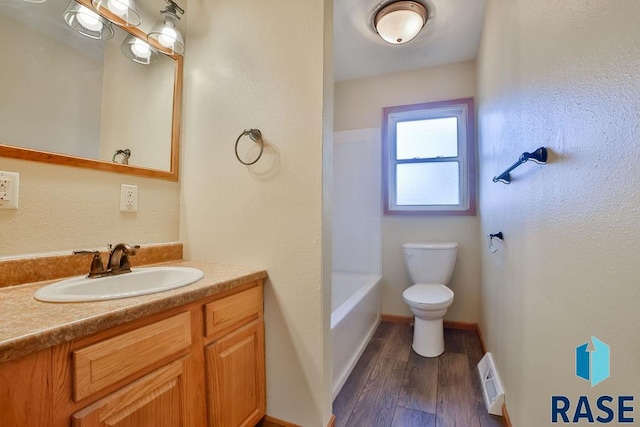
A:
128	198
9	190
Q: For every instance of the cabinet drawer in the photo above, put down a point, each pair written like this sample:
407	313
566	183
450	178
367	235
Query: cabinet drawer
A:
109	361
233	311
154	400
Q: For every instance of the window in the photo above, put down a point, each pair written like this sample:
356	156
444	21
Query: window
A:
429	158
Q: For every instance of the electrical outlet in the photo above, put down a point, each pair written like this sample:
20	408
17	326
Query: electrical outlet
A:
128	198
9	186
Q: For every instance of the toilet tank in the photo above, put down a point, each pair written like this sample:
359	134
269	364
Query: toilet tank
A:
430	262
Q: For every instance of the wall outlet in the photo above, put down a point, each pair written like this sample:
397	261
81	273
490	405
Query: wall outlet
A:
9	186
128	198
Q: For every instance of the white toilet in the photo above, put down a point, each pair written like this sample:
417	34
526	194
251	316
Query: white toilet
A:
430	266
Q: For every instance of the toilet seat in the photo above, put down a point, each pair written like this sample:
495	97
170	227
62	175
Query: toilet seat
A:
428	296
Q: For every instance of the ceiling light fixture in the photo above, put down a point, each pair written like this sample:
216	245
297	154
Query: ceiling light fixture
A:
121	12
401	21
139	51
87	22
166	33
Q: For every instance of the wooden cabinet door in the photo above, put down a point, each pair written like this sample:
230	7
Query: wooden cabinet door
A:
236	377
157	399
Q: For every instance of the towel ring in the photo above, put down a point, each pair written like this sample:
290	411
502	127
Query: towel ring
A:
126	153
256	136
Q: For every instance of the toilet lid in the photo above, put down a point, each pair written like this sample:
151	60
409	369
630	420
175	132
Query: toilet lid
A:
424	293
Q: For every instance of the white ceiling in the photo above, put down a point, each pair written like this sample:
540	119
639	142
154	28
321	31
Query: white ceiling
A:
452	34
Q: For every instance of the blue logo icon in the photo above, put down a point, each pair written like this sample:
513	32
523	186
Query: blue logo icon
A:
593	365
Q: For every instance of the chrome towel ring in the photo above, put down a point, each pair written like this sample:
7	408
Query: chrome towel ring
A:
256	136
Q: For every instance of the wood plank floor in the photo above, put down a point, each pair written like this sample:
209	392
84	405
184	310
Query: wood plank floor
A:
391	386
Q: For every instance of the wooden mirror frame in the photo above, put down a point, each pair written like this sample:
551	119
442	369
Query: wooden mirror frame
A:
69	160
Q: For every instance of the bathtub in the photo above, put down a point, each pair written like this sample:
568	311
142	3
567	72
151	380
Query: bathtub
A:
355	314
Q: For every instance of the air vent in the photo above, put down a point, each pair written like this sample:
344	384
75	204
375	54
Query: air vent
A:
492	390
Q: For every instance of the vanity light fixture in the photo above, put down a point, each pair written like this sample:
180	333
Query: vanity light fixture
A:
87	22
401	21
166	32
139	51
121	12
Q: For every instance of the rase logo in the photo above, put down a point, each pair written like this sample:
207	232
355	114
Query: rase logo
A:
592	366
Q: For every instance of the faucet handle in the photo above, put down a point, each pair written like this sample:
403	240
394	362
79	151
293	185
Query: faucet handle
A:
97	268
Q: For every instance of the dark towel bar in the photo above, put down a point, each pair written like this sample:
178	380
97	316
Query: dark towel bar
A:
538	156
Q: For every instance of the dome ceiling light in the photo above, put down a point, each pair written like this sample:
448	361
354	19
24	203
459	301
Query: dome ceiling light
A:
401	21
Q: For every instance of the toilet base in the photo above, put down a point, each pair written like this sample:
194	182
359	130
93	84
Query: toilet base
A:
428	337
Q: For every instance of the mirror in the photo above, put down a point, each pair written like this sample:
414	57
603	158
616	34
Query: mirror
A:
71	100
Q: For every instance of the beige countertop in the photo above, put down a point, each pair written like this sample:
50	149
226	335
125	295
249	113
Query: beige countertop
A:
29	325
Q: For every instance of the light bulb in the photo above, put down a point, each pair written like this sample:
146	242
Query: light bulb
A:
119	7
141	49
168	36
89	19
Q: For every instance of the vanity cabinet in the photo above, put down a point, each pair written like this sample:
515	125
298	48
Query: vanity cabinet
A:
235	377
235	360
198	365
159	398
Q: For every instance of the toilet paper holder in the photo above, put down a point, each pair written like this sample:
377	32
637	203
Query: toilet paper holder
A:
491	236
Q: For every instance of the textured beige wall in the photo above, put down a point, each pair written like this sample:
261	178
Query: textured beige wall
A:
568	80
359	102
64	208
260	65
358	105
326	385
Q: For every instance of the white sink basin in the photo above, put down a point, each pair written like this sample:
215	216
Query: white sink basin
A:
141	281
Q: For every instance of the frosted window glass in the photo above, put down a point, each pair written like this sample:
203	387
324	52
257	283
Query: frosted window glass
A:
425	139
428	184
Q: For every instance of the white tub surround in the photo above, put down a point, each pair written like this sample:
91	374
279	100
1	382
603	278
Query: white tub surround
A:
357	237
355	316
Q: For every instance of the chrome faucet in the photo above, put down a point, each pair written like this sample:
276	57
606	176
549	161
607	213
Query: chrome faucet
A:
119	258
